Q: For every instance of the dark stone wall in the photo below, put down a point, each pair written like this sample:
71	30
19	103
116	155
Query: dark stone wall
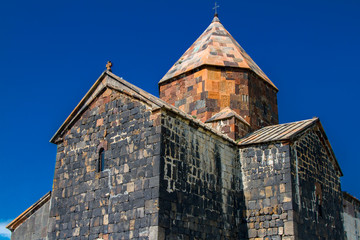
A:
267	189
200	184
317	192
35	227
351	216
263	103
120	202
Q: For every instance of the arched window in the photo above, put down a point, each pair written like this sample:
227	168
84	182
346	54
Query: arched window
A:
101	161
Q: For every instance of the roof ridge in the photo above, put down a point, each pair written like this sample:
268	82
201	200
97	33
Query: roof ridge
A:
159	103
174	109
277	132
218	116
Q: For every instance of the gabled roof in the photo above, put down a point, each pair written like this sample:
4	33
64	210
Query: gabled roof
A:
110	80
214	47
278	132
350	198
226	113
289	132
28	212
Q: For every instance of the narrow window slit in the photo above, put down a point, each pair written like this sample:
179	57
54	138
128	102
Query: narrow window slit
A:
101	161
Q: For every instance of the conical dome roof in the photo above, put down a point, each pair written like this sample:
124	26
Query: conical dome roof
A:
214	47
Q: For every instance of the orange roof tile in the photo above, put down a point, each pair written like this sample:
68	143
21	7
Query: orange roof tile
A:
214	47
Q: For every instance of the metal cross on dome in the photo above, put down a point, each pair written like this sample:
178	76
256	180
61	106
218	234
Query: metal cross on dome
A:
215	8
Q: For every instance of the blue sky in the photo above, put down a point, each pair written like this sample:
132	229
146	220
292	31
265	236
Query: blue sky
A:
51	52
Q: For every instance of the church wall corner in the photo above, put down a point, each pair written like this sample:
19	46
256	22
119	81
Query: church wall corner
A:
122	200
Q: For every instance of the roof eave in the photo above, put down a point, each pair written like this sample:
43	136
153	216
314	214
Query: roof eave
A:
28	212
330	148
296	135
166	79
238	117
95	89
77	108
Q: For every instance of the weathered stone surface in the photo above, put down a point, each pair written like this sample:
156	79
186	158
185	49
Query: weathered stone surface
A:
200	184
117	202
351	216
167	176
264	170
35	227
206	91
317	196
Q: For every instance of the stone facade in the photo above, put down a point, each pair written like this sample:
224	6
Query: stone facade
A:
35	227
170	176
120	202
263	106
292	189
267	188
207	90
206	161
316	190
200	192
351	217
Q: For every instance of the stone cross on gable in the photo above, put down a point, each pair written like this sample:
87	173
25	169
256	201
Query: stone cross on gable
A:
108	66
215	8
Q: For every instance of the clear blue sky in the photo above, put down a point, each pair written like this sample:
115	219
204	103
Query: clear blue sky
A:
51	52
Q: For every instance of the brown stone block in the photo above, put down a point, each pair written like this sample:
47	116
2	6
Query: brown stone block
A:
107	92
99	122
224	101
222	87
232	127
230	86
215	86
213	95
199	73
208	85
214	74
196	98
199	87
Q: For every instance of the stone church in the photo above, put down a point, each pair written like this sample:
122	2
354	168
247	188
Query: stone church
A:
206	160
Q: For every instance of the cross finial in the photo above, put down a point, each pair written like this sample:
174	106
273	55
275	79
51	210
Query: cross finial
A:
108	66
215	8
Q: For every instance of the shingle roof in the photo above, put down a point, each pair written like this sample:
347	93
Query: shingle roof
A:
215	47
277	132
226	113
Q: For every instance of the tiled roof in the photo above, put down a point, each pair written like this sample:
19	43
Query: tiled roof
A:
215	47
277	132
226	113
